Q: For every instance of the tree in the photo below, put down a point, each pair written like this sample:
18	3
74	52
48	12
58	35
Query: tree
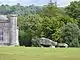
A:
70	34
5	9
31	27
50	10
50	26
73	9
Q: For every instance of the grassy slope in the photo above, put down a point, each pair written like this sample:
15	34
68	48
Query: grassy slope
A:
22	53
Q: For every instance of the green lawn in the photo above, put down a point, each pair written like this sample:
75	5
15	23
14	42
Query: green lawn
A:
22	53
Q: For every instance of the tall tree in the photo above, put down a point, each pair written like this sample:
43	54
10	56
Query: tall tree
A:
30	27
70	34
73	10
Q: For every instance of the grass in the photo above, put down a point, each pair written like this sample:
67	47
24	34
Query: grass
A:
22	53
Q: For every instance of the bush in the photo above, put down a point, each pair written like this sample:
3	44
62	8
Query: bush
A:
70	34
35	42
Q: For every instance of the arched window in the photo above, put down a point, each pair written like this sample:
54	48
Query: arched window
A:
1	34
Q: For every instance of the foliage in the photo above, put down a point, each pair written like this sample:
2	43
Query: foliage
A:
73	9
35	42
50	10
25	38
50	26
53	20
31	25
20	10
70	34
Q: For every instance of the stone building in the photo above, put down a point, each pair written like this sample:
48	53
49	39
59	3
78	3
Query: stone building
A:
8	30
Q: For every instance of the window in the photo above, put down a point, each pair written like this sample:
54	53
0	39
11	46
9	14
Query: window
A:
1	35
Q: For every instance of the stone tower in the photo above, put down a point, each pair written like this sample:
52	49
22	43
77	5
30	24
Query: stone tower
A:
13	30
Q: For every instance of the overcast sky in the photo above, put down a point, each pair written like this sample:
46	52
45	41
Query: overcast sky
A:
36	2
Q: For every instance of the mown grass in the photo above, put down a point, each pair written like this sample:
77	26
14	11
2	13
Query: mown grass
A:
22	53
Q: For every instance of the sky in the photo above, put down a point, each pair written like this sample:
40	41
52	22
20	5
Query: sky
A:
61	3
